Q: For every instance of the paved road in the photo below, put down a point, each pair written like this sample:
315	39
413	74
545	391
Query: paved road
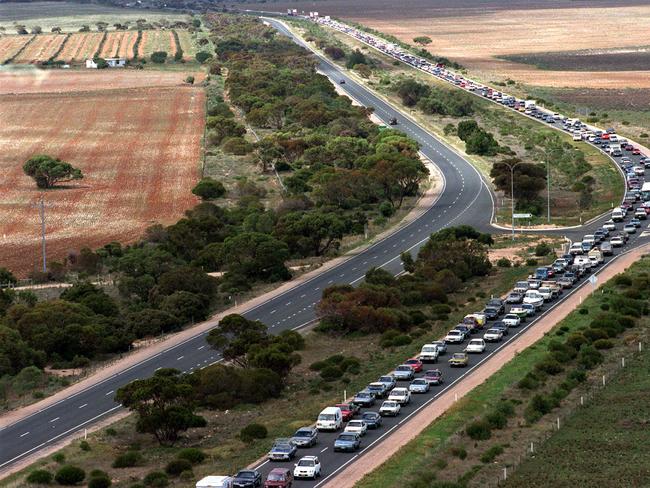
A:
466	199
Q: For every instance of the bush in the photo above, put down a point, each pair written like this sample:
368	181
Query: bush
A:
603	344
157	479
240	147
489	455
549	366
202	56
458	452
192	454
505	407
589	357
496	420
583	311
70	475
504	262
209	189
159	57
538	407
531	262
176	466
543	249
128	459
529	382
59	457
189	80
100	482
623	280
111	432
39	477
84	446
252	432
386	209
479	430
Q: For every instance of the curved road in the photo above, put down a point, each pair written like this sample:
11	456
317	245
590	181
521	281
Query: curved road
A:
465	199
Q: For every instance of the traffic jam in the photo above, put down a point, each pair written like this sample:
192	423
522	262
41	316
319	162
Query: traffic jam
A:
343	431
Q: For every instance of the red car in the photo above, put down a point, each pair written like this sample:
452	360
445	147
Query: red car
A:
348	410
605	137
279	478
433	376
629	147
636	151
415	364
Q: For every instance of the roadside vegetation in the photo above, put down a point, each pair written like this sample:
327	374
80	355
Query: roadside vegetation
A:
273	385
493	426
581	176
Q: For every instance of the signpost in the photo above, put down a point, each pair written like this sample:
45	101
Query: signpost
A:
522	216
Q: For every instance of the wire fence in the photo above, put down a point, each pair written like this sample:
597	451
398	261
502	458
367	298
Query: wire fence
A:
588	393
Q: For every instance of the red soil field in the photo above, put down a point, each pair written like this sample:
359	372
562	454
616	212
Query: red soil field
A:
139	150
10	45
57	81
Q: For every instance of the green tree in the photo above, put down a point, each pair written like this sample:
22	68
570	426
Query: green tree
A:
48	171
159	57
334	52
422	40
7	277
202	56
356	57
69	475
311	233
399	176
410	91
256	255
163	403
209	189
235	336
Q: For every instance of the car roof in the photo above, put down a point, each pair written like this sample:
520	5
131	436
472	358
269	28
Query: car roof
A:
279	471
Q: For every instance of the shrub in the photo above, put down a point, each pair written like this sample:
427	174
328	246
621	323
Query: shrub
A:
69	475
84	446
504	263
59	457
111	432
159	57
240	147
128	459
157	479
489	455
589	357
577	375
39	477
549	366
479	430
331	373
583	311
458	452
529	382
386	209
189	80
603	344
539	406
531	262
505	407
100	482
192	454
496	420
202	56
253	431
176	466
98	473
209	189
543	249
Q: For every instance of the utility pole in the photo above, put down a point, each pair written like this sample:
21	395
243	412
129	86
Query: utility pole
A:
512	194
548	191
41	212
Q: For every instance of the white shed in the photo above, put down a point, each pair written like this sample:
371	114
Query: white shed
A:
112	63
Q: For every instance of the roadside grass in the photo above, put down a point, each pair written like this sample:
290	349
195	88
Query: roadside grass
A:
516	132
430	451
604	443
305	395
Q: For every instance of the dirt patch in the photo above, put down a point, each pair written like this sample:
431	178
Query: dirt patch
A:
139	154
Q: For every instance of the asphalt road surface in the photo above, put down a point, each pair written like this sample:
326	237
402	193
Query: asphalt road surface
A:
465	199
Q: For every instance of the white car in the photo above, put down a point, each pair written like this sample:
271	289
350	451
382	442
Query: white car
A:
400	395
546	293
307	467
617	241
609	225
576	248
389	408
533	298
357	426
419	385
589	239
454	337
629	229
476	346
429	353
511	320
493	335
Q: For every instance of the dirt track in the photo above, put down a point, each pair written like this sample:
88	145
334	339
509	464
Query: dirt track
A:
376	457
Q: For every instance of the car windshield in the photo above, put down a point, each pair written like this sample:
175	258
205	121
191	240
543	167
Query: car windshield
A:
419	381
455	332
511	316
349	437
493	331
363	394
412	361
389	404
275	477
403	368
369	415
386	379
476	342
326	416
459	355
245	474
306	462
282	447
303	433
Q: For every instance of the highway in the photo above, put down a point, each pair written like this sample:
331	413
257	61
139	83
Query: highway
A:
465	199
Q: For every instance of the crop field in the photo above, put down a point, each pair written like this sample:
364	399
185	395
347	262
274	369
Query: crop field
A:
10	45
476	33
139	150
628	59
119	44
187	44
153	41
40	49
80	46
70	17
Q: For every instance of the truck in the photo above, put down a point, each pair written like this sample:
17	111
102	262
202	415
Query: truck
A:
530	104
597	254
215	482
615	150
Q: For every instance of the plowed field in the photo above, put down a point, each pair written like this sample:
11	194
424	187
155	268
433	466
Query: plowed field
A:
80	46
42	48
157	40
139	150
10	45
119	44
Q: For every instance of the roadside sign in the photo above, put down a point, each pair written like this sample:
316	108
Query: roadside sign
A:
522	216
593	279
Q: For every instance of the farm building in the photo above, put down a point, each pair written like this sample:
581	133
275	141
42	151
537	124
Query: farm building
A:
112	63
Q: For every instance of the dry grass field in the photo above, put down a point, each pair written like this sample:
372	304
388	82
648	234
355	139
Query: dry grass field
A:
476	32
139	149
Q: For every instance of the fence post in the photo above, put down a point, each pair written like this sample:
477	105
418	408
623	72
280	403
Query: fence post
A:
532	447
622	362
640	346
603	380
558	423
582	400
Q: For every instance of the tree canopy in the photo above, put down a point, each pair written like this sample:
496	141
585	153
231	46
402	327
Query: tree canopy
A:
48	171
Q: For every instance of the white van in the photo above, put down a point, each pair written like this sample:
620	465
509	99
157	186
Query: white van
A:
583	261
618	215
215	482
330	418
